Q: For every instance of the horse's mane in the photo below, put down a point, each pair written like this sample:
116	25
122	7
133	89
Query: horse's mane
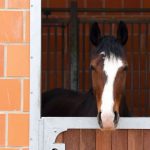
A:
110	47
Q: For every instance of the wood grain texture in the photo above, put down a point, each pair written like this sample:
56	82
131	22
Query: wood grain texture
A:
103	140
120	140
60	138
135	139
72	139
87	139
146	139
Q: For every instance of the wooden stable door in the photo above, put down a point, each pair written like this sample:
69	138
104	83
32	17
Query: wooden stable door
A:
105	140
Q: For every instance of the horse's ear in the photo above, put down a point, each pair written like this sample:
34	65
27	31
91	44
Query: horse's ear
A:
122	33
95	34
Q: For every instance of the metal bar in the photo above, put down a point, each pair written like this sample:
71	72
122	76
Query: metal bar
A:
114	20
68	56
146	70
63	55
58	22
92	123
48	60
139	70
55	54
83	57
131	71
90	57
49	10
55	21
73	43
110	27
103	28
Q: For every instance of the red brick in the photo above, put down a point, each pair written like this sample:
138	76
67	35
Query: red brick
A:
9	95
2	3
18	66
27	30
26	95
18	130
11	29
2	130
18	3
1	60
9	149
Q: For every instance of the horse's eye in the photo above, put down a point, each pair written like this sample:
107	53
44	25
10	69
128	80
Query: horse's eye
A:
92	67
125	68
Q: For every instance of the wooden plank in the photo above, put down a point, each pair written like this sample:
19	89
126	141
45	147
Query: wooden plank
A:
135	139
72	139
60	138
146	139
120	140
103	140
87	139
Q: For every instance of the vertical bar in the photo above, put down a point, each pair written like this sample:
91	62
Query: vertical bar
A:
48	60
132	70
90	57
146	70
63	48
110	26
139	70
55	55
35	73
74	47
68	58
83	57
103	28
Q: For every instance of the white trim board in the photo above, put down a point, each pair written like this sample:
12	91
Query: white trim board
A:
91	122
35	72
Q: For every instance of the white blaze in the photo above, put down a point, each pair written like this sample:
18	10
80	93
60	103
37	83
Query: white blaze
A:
111	66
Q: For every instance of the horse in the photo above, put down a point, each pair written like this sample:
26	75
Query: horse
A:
106	98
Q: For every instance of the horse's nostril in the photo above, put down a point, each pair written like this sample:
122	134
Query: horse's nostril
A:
99	119
116	119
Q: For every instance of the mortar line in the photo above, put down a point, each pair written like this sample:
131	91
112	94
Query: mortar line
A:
9	43
14	112
13	9
22	96
5	61
14	78
6	130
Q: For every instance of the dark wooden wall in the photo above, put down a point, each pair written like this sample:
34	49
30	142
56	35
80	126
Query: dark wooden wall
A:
106	140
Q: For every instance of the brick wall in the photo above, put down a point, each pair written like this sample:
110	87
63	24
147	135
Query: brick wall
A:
14	74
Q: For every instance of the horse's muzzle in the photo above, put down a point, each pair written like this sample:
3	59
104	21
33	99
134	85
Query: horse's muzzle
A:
107	124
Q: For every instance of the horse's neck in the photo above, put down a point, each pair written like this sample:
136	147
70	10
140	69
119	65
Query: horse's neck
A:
88	105
124	111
